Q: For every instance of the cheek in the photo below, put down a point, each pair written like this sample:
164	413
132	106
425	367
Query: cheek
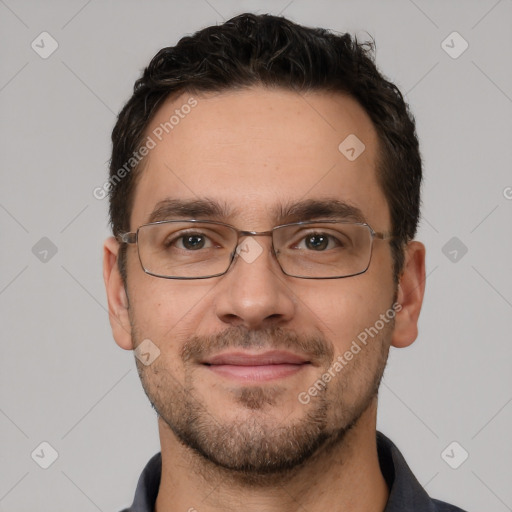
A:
164	309
343	310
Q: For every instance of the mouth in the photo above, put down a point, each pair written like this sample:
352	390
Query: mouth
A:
256	367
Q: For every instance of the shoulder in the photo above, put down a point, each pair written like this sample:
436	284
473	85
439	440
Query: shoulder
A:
441	506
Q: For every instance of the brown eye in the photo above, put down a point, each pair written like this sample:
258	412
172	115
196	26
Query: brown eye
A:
193	241
189	241
317	242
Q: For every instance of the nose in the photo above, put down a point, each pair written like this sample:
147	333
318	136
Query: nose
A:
254	291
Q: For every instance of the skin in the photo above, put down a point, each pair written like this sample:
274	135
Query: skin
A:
254	149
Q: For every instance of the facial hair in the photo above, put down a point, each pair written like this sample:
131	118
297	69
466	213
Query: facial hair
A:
258	448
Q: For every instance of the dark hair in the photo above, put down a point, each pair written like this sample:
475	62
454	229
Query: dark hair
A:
250	50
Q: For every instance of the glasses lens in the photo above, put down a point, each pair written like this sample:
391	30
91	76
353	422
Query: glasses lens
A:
186	249
323	250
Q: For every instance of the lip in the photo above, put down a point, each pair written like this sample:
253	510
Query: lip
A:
273	357
256	367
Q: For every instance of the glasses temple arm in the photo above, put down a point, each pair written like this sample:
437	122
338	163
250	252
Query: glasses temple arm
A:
126	238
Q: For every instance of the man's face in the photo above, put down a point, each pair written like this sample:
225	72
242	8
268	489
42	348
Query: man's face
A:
255	151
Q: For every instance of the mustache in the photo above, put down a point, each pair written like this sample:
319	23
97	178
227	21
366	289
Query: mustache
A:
316	347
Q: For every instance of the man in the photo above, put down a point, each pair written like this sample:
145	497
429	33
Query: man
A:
264	195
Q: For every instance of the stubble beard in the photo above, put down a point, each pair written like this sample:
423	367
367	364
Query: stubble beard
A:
258	448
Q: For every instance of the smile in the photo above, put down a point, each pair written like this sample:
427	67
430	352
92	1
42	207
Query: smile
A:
256	367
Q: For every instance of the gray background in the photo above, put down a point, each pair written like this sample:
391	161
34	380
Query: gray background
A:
64	381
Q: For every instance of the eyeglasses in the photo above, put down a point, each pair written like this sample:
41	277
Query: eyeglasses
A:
201	249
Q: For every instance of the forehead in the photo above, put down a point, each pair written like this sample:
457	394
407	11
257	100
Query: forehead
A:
257	152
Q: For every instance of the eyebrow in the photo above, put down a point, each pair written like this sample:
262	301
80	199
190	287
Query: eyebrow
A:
210	209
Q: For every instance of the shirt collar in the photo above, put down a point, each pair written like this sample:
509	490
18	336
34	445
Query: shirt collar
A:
405	492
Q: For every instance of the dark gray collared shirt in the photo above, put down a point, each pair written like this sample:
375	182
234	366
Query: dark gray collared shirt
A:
405	492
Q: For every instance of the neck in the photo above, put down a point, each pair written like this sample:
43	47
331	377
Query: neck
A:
342	477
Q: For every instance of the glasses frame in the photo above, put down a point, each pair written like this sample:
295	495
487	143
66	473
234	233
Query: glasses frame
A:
133	238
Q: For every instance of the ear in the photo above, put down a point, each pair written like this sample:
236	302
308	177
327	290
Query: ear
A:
411	289
116	295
